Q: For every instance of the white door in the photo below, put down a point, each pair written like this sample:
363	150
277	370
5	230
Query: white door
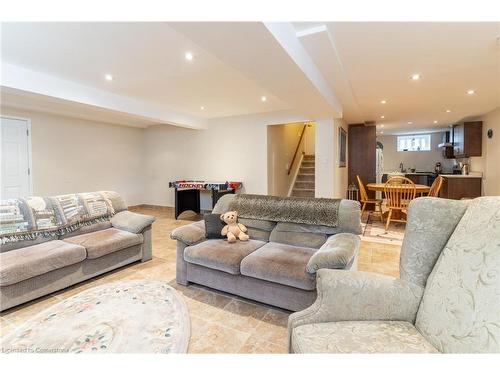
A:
14	140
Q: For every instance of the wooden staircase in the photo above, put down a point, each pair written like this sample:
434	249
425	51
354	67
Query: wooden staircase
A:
304	184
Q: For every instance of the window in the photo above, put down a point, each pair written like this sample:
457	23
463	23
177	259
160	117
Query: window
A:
421	142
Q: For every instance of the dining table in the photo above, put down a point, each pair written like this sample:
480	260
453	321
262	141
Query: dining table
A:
379	186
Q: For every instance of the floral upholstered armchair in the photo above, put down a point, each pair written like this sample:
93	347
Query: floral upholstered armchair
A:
447	299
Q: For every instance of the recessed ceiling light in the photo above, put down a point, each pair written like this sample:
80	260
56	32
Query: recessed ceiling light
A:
435	121
263	98
382	117
470	92
448	110
202	108
383	101
108	77
410	123
189	56
415	77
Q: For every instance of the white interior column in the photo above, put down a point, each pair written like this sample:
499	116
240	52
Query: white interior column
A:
325	158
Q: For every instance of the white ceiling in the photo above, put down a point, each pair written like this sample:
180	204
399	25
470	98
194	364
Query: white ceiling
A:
147	62
368	62
236	63
41	103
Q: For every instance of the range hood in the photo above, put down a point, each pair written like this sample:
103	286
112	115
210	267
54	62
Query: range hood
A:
447	139
448	144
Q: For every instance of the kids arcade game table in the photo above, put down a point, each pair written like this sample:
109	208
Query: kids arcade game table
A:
187	193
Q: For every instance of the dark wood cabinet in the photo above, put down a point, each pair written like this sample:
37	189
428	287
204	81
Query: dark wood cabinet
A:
460	187
468	139
362	141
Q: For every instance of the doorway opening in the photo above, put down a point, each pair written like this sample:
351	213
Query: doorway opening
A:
15	141
290	159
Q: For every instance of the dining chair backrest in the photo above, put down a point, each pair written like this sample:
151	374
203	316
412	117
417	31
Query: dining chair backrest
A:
399	191
362	190
435	187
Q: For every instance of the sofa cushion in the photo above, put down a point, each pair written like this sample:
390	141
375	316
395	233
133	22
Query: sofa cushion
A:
282	264
258	234
106	241
305	239
25	263
359	337
25	243
307	228
257	224
350	216
220	254
87	229
258	229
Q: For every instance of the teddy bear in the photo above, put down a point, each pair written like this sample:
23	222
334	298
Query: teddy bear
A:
233	229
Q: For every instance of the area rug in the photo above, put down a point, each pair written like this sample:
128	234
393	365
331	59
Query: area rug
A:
137	316
374	230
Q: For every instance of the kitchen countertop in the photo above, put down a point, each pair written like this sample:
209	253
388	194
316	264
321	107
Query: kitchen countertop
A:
413	173
470	175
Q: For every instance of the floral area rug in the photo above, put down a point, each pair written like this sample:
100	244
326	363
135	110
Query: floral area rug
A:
374	230
137	316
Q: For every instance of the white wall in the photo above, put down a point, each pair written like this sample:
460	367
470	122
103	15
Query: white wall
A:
71	155
233	148
325	159
423	161
310	139
488	164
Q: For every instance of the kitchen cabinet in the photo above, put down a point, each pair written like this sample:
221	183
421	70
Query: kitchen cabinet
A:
468	139
361	149
458	187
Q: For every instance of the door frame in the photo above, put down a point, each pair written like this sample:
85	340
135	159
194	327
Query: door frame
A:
30	162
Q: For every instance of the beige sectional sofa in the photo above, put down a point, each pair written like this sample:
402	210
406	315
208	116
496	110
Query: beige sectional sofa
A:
36	267
278	264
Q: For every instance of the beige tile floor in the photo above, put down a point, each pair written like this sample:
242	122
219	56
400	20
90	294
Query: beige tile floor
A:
220	323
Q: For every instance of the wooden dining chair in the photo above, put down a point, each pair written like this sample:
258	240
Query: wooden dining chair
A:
399	191
435	187
365	200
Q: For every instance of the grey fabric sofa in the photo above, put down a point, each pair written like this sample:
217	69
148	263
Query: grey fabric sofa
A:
276	266
33	268
447	299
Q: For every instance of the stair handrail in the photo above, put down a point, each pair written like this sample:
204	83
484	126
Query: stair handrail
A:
297	149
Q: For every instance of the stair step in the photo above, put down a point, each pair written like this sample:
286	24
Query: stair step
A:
304	185
307	164
306	193
307	170
308	157
304	177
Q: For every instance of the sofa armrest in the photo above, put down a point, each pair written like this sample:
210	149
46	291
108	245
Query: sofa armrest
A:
336	253
353	295
131	221
190	234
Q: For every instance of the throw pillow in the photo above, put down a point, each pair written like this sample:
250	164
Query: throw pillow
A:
213	226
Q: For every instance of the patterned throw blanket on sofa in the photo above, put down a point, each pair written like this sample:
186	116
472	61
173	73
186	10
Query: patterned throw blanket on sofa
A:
317	211
26	219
